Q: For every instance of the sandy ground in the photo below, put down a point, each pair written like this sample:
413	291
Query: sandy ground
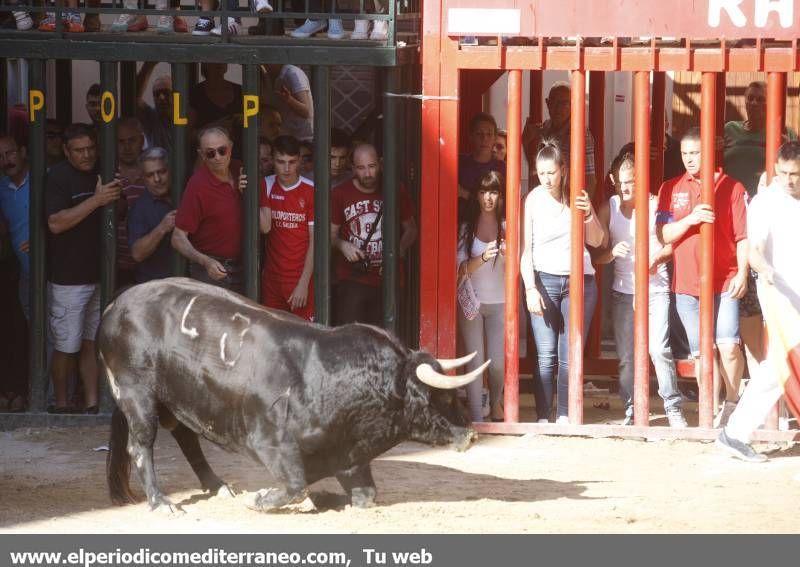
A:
52	481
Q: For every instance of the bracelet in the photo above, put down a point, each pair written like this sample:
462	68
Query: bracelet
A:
483	257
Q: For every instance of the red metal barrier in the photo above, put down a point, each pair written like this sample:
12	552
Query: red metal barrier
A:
641	324
708	149
577	184
597	126
513	174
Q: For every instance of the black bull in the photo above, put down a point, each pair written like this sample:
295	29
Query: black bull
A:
304	400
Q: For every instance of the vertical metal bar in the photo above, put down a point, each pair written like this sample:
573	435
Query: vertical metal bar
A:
250	237
64	91
641	358
513	174
597	99
390	221
390	40
37	330
776	90
577	176
536	102
708	125
430	160
127	90
776	117
180	146
3	94
108	166
658	133
322	194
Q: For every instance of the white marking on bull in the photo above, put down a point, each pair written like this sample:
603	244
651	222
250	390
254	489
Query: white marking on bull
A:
224	338
112	382
193	331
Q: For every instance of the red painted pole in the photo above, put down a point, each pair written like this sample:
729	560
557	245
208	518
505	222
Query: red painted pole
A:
513	174
577	183
776	91
641	324
708	150
597	95
776	117
658	134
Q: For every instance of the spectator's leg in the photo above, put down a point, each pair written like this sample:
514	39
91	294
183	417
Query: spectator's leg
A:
205	24
728	344
91	23
60	367
661	354
474	340
129	22
546	329
761	394
494	333
88	372
622	317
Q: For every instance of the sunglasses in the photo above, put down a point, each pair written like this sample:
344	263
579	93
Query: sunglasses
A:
211	153
162	92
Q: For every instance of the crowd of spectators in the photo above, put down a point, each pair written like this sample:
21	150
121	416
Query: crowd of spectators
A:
205	226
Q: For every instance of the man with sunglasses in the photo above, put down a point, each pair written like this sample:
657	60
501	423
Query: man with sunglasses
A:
209	219
156	121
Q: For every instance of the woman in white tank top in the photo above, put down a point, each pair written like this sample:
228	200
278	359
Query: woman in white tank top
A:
481	257
545	268
619	216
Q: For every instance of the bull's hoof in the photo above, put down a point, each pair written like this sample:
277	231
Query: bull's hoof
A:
272	499
164	506
363	497
225	492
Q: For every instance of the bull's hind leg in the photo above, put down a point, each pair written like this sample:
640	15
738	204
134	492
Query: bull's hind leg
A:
190	446
359	485
285	461
143	426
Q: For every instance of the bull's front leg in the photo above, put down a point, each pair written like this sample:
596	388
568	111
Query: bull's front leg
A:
359	485
284	460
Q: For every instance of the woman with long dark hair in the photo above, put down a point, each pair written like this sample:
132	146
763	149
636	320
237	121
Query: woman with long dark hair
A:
545	267
481	258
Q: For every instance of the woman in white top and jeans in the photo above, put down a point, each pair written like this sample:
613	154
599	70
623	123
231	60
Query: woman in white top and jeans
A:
619	216
481	258
545	268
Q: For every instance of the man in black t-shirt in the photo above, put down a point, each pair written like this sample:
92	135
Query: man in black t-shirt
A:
73	198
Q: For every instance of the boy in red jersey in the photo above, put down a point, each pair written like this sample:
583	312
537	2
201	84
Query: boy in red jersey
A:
286	216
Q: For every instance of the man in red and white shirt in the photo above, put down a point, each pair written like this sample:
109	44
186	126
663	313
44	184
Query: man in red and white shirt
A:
286	216
356	223
678	218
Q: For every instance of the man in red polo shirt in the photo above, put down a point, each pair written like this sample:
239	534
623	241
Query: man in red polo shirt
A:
286	216
679	216
208	224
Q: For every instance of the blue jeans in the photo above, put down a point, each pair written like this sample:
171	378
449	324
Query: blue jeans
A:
658	345
726	319
551	335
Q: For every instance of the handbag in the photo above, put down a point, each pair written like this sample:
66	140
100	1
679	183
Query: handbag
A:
467	299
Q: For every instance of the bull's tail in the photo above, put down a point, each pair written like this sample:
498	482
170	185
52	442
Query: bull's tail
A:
118	461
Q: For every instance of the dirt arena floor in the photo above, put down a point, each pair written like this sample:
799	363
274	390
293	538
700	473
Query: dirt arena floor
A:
52	481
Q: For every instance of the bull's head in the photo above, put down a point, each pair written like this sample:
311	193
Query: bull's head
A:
435	416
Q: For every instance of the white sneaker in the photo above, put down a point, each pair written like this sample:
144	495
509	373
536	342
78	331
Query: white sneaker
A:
562	420
335	29
309	28
543	421
165	24
121	23
24	21
676	420
380	30
233	28
361	30
263	7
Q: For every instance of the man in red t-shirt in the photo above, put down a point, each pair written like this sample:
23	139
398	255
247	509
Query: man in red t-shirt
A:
356	220
679	216
208	224
286	216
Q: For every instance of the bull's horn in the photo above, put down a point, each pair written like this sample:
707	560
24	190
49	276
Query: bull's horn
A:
453	363
429	376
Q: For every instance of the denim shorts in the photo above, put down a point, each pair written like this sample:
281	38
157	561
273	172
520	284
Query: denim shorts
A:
726	319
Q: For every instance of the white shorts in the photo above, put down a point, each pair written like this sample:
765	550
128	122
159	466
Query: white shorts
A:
74	313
